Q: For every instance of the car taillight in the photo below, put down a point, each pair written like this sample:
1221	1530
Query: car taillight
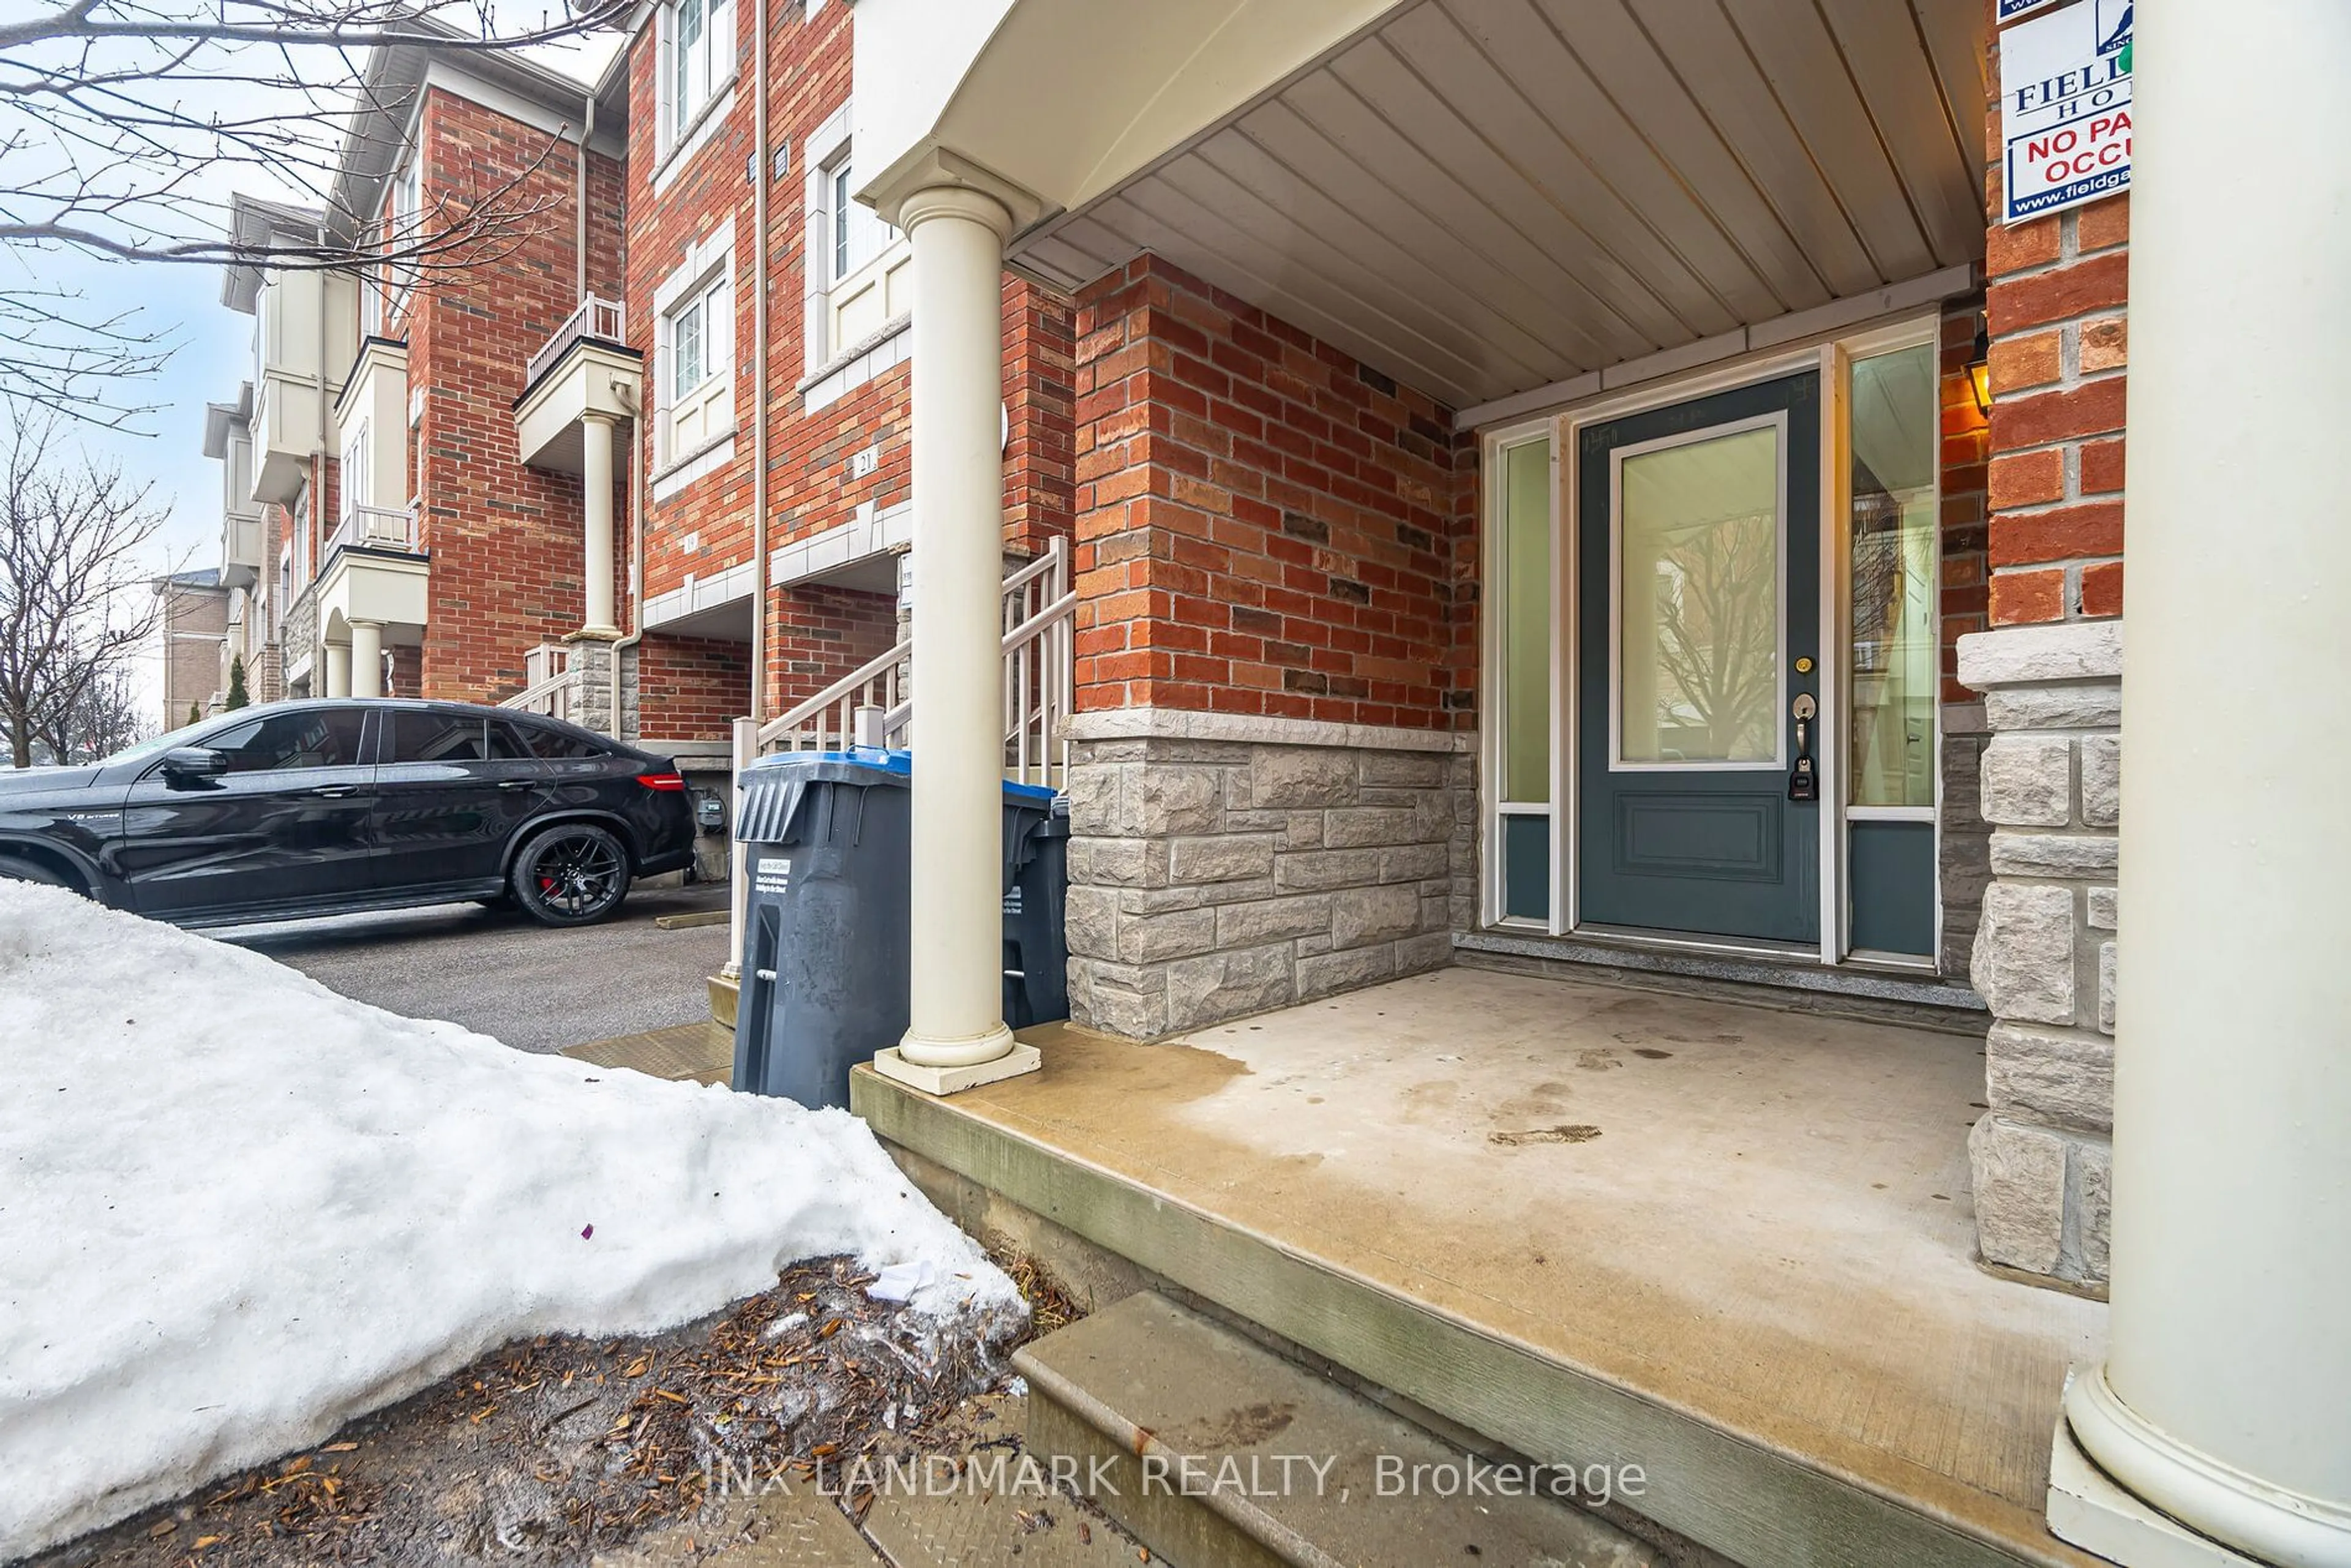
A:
662	780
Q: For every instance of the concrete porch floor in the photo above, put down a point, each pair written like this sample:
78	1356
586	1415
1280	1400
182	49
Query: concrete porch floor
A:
1741	1238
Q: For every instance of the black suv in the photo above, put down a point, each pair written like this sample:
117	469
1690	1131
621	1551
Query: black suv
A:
318	808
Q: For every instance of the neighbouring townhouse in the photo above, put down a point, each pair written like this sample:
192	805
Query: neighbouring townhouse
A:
193	625
1569	558
546	447
252	532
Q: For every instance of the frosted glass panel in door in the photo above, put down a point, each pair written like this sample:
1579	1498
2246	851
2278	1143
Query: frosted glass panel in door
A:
1698	595
1526	623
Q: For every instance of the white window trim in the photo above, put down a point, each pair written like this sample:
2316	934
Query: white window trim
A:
831	368
399	282
704	266
353	475
674	146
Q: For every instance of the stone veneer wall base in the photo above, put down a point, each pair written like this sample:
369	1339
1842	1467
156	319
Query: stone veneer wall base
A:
2045	954
1223	864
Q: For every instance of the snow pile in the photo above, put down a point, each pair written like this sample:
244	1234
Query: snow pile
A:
237	1210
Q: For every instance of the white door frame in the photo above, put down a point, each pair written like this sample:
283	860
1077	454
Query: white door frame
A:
1563	427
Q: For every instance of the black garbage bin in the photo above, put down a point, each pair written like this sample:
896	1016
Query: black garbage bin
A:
824	841
825	837
1036	942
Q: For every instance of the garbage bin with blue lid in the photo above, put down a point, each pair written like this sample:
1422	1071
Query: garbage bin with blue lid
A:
826	840
1036	939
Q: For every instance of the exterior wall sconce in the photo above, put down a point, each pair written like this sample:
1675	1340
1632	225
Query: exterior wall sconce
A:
1979	367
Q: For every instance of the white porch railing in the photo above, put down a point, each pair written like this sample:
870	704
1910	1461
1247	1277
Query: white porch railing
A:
1039	666
827	721
595	317
868	707
1039	612
549	683
375	528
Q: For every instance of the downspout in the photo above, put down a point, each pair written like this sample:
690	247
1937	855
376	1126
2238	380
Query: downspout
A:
759	361
636	633
587	130
633	591
318	463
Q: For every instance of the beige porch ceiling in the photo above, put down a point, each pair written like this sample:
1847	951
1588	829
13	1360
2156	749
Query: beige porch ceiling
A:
1483	197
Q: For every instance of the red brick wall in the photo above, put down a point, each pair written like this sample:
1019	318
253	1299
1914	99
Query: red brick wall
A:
407	677
1040	369
689	688
1264	525
2056	298
504	539
1967	446
833	631
815	635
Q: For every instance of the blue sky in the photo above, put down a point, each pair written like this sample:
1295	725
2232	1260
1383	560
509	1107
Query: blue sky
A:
166	445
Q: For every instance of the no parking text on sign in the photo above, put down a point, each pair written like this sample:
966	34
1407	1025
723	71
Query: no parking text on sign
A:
2065	107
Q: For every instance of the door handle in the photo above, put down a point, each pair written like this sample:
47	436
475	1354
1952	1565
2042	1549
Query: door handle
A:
514	783
1803	783
334	792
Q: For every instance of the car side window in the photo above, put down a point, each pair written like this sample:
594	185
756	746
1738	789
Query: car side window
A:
437	738
555	745
507	744
315	738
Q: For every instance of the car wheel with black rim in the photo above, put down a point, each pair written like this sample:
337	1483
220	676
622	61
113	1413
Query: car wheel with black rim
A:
574	873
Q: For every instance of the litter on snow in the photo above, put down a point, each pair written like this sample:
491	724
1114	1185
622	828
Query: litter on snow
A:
902	1282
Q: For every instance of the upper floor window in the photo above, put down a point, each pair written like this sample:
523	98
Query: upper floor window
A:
407	197
406	219
860	275
858	235
700	329
354	477
701	61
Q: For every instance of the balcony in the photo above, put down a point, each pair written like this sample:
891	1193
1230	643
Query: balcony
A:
391	529
242	537
596	317
306	331
228	440
584	369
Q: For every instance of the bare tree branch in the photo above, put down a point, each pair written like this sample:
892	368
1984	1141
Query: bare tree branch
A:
76	608
125	125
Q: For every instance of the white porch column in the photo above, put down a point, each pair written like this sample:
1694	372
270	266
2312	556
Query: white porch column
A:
366	674
2225	1399
596	481
956	1006
339	669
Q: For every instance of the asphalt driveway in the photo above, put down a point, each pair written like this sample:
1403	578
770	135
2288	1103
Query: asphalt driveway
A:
495	971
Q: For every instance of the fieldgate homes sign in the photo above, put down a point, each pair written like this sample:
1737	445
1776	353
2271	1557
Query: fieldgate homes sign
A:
2066	106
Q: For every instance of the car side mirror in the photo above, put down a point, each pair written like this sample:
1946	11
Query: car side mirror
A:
194	762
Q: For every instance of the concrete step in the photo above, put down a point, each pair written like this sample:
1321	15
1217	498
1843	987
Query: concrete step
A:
1739	1489
724	996
1213	1451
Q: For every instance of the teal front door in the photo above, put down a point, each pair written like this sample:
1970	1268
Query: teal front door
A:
1697	551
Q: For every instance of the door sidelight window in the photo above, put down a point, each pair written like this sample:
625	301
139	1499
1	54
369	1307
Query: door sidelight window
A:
1896	668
